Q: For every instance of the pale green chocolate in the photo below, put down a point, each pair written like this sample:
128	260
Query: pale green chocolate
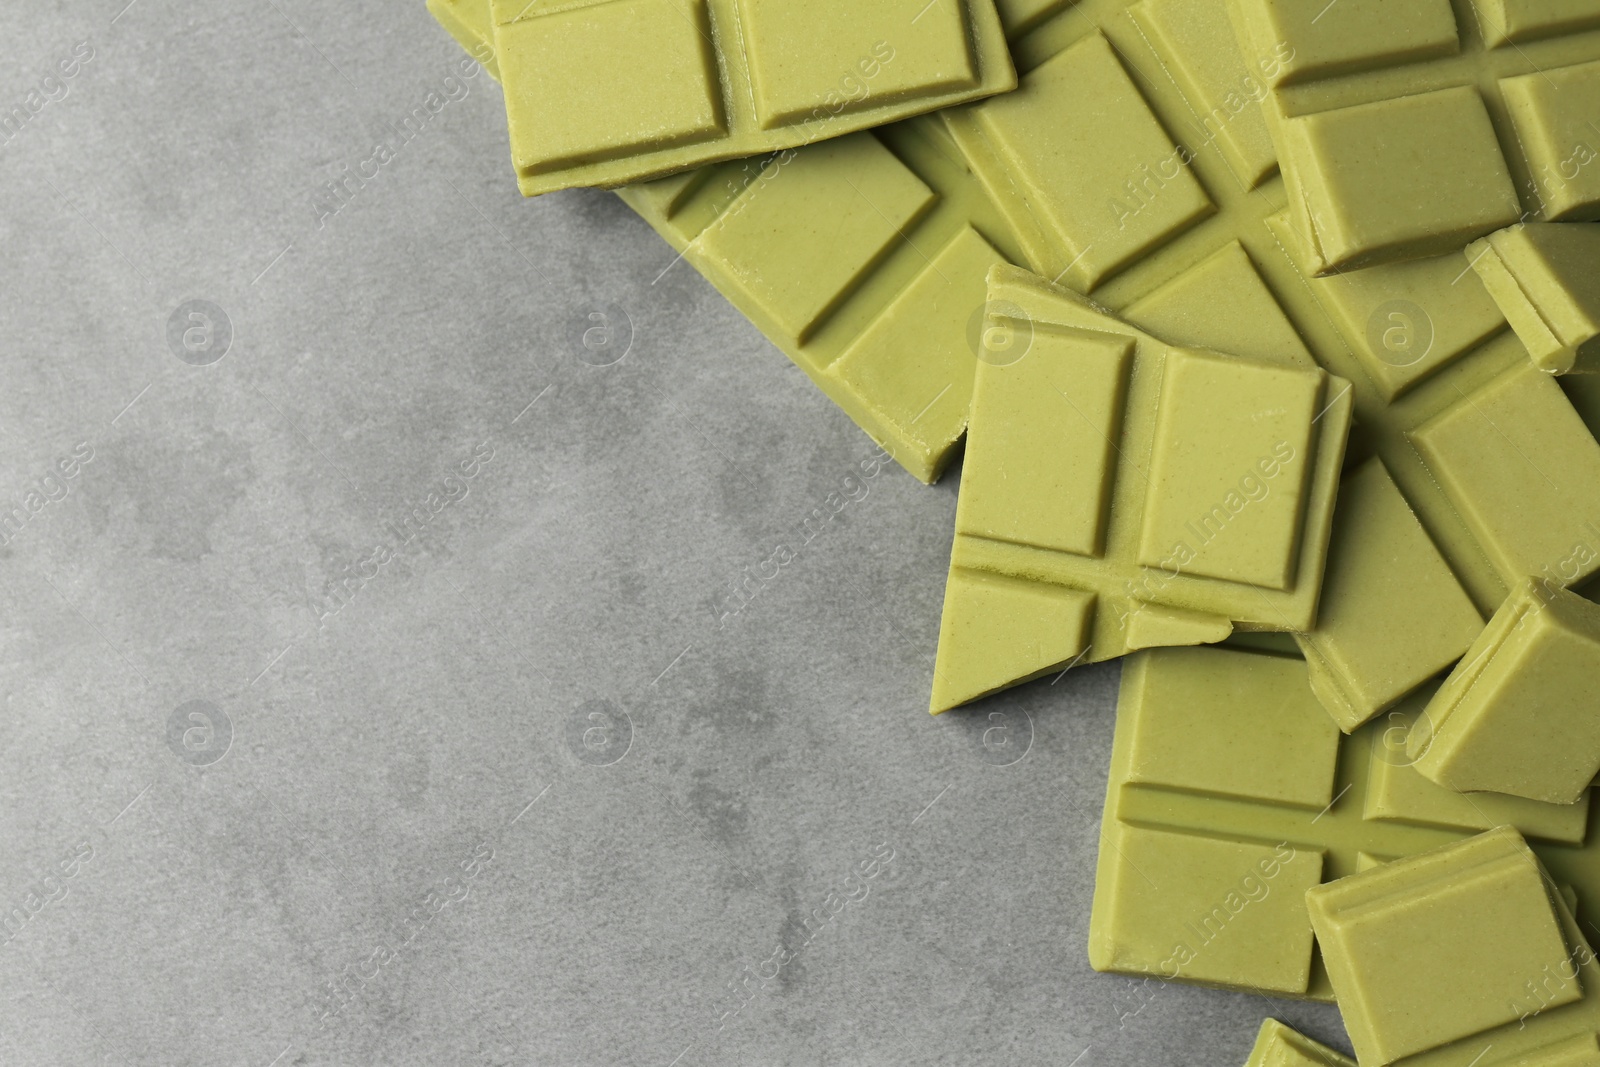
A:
865	264
1520	714
1355	185
1545	277
1406	130
607	92
1280	1046
1580	1050
1429	950
1397	791
1231	792
1058	162
1392	614
1519	439
1122	493
1505	22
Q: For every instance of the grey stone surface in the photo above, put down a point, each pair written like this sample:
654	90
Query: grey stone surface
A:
517	788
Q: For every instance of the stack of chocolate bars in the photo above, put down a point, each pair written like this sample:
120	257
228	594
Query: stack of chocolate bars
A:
1269	328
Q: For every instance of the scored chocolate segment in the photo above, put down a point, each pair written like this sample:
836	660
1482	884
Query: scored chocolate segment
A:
1517	715
1542	276
1181	490
1405	131
1279	1046
1436	952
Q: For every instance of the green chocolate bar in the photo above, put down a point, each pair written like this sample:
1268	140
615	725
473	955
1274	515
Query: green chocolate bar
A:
607	92
864	263
1122	493
1582	1049
1409	129
1231	793
1546	279
1429	950
1280	1046
1519	713
1362	656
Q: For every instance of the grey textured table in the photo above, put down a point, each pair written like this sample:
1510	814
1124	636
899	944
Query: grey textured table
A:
371	689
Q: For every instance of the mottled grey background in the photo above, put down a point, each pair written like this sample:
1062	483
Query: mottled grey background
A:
349	801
